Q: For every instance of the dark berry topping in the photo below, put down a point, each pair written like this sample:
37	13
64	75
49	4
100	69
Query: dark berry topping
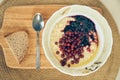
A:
77	35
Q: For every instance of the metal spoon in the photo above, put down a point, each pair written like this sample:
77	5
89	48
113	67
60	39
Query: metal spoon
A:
38	24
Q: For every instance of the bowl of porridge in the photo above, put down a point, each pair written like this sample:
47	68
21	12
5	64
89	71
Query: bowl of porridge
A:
73	40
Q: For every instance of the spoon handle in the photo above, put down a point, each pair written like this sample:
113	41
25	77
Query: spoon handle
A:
38	52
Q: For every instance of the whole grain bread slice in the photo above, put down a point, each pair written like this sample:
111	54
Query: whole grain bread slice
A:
18	43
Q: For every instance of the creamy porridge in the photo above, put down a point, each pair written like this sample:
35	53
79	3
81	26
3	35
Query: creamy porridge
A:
74	41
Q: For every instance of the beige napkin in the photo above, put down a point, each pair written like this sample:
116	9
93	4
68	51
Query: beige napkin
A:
1	1
118	75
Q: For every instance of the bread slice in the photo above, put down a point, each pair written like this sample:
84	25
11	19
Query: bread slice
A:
18	43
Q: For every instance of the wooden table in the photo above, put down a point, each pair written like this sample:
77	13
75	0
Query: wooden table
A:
107	72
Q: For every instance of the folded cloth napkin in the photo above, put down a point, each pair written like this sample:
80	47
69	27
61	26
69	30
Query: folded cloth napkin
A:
118	75
1	1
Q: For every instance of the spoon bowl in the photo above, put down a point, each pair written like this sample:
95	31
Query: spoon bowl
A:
38	22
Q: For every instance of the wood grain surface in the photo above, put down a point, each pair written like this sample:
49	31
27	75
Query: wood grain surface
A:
107	72
16	19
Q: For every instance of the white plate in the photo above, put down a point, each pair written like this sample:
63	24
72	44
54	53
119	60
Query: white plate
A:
108	41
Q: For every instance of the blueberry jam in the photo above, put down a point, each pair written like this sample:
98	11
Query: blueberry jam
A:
77	35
